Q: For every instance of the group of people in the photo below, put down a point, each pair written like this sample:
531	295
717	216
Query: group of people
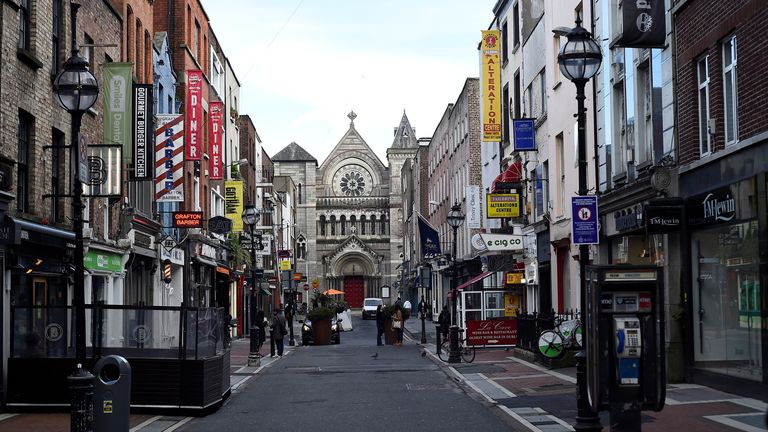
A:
398	322
278	328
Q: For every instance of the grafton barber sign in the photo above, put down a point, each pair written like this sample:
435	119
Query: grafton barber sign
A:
492	332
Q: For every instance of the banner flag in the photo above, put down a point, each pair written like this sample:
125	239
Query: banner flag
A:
490	55
193	115
216	163
142	132
169	158
233	203
430	240
643	24
117	106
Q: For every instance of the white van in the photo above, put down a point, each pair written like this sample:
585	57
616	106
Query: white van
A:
369	307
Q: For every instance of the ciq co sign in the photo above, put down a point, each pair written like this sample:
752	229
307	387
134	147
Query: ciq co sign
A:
504	243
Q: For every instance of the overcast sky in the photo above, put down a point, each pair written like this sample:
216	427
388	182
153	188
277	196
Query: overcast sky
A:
304	64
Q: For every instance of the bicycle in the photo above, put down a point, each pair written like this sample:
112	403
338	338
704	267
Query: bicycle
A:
566	335
466	349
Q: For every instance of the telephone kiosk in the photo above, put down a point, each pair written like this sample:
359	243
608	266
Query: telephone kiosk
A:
626	365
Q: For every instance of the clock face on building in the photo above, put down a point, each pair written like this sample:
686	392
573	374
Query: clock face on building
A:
352	181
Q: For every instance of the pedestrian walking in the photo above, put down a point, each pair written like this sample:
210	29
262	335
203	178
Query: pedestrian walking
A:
397	324
445	321
278	330
422	308
379	325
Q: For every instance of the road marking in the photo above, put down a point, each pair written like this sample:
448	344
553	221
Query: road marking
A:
145	423
729	420
179	424
498	386
6	416
563	377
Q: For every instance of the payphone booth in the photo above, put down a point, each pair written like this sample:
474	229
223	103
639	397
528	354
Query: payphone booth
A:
626	366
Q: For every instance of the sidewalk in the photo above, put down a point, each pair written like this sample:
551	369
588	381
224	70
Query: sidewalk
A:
545	400
240	373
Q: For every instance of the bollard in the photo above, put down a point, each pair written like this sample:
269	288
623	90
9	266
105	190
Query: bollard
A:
112	395
437	338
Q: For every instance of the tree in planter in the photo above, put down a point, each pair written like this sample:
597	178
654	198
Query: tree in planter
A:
320	315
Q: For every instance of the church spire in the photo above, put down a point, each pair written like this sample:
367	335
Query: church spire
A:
405	135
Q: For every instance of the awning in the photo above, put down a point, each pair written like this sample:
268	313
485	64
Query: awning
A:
509	179
477	278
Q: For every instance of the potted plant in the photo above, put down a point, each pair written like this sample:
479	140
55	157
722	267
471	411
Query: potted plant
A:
321	316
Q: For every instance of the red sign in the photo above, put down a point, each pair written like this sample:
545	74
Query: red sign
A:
297	276
492	332
193	114
645	302
216	163
187	219
306	287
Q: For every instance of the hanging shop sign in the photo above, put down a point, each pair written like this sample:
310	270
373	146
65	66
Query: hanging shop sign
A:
502	242
105	171
490	51
524	133
216	156
219	225
193	113
169	158
474	204
143	131
187	219
233	203
502	205
492	332
117	105
285	265
643	24
661	219
515	278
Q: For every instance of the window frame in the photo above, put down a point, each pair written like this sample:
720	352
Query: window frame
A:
705	139
25	25
730	68
25	141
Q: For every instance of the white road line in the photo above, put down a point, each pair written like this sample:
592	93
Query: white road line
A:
514	377
6	416
145	423
179	424
519	418
545	370
498	386
560	422
728	421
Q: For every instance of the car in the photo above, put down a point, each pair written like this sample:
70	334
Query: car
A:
369	307
306	332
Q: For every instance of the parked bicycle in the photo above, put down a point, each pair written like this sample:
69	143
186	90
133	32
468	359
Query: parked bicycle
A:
466	349
565	336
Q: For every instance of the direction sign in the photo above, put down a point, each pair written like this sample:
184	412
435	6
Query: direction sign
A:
584	217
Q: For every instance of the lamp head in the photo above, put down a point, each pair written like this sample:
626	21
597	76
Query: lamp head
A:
580	57
250	215
455	218
75	87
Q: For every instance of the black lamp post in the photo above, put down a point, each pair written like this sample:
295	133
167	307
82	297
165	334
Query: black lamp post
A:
251	218
76	91
579	59
455	219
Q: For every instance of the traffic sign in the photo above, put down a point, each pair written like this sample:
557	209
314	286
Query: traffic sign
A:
584	216
315	283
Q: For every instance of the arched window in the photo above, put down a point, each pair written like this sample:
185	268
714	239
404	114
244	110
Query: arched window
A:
352	224
333	225
343	225
362	225
300	193
383	225
322	225
373	225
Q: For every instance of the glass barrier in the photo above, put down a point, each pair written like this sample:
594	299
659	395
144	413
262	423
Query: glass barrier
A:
42	332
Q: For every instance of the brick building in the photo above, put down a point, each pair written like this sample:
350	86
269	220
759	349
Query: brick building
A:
722	132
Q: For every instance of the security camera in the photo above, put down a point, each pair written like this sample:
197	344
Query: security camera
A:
401	255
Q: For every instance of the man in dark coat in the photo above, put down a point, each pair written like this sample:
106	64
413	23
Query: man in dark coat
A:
445	321
379	325
278	330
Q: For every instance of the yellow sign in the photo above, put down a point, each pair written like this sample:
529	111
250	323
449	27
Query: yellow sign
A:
233	203
107	407
503	205
511	304
285	264
315	283
492	117
515	278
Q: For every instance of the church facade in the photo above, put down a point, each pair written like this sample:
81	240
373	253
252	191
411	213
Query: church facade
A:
349	213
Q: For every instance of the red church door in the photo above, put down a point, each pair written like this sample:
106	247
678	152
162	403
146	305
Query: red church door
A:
354	291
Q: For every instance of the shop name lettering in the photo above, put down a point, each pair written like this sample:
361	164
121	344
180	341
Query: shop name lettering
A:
719	210
504	242
141	132
627	222
662	221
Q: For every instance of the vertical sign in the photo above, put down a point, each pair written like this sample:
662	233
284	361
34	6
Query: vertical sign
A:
117	106
193	113
233	203
169	158
525	134
143	130
216	164
584	217
643	24
489	52
473	206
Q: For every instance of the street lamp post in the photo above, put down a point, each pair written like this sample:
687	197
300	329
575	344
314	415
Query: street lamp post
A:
76	91
455	219
251	218
579	60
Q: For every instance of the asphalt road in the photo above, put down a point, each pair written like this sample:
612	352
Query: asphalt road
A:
345	388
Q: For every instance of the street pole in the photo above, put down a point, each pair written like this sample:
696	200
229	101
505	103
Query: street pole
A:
454	355
254	357
292	306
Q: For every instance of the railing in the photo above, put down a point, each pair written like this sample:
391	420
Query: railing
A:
143	332
530	326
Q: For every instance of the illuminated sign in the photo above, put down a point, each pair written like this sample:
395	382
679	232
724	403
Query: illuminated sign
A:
187	219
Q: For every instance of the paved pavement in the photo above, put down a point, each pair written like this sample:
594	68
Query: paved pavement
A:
537	398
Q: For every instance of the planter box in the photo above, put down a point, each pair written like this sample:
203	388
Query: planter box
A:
321	332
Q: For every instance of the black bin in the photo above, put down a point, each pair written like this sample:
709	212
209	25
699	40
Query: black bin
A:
112	394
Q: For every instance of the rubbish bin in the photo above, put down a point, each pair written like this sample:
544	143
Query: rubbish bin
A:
112	394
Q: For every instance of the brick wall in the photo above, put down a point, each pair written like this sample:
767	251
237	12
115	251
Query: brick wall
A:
696	36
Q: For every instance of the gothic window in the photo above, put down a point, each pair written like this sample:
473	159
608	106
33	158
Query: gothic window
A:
343	225
383	225
333	225
362	224
322	225
352	224
373	225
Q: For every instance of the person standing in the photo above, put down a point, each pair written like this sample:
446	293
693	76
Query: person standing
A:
445	321
278	330
397	324
379	325
422	308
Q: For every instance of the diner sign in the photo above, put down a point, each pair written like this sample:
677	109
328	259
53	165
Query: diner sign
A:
193	115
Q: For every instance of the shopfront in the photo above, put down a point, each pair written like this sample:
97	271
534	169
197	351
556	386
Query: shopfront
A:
726	290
